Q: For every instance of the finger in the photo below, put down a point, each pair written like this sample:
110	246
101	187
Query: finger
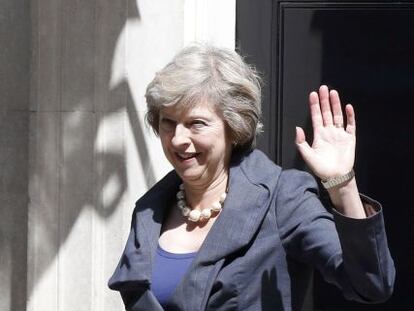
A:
304	149
315	110
338	118
325	106
350	119
300	135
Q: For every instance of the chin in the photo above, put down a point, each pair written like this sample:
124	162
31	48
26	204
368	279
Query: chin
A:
190	175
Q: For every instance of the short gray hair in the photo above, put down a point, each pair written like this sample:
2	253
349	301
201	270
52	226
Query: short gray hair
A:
220	76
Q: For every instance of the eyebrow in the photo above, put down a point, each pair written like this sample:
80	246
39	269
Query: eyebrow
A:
164	115
196	115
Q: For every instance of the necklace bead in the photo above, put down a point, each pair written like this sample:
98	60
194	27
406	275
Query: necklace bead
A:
185	211
206	213
180	195
216	206
196	215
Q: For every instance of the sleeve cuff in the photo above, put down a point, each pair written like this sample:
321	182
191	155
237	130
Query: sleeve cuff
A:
372	208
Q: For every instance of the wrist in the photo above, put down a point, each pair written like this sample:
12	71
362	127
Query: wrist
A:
346	199
338	181
343	190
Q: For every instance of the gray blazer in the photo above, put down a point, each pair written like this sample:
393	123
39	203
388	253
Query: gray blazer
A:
271	218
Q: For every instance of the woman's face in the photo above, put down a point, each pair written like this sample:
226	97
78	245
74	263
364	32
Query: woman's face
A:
195	142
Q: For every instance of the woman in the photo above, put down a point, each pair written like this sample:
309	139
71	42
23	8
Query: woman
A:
219	232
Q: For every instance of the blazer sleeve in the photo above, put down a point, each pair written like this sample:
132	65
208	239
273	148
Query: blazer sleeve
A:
351	253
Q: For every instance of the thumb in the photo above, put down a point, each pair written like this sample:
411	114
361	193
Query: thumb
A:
304	149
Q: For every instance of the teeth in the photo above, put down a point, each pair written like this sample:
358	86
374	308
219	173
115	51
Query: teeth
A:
186	155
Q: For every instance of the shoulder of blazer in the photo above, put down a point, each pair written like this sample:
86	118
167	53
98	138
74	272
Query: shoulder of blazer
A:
258	169
159	194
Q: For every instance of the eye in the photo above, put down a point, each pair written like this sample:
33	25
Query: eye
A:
198	123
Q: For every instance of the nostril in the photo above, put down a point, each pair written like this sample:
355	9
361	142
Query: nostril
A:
180	140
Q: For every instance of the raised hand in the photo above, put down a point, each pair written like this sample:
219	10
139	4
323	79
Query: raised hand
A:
333	148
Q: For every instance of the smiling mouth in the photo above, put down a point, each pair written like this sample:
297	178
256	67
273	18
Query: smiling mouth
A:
186	156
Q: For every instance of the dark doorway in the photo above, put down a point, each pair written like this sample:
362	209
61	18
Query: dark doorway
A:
366	51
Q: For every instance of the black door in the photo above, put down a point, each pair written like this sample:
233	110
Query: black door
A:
366	51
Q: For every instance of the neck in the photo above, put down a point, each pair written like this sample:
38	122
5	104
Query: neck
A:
200	195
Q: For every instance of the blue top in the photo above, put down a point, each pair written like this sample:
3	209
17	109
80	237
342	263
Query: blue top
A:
168	270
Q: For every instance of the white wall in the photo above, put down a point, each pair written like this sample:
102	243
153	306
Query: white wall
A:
91	155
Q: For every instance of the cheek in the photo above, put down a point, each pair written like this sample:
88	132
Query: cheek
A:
165	142
216	144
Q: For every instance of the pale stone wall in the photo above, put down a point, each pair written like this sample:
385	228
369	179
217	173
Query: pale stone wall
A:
91	155
74	151
14	135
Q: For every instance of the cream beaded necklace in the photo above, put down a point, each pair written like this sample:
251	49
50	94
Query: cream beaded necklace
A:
196	215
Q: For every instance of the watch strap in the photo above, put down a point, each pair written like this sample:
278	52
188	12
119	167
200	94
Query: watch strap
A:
339	180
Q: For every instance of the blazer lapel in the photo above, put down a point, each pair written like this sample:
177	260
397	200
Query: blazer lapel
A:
245	206
135	266
150	215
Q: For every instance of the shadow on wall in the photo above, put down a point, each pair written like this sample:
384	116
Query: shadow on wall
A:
89	37
14	135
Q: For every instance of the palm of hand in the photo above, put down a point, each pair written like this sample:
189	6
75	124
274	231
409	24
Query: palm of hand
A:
332	152
333	149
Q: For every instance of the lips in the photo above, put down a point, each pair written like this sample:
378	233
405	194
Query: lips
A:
186	156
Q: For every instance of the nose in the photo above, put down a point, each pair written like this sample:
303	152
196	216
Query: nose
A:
181	136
